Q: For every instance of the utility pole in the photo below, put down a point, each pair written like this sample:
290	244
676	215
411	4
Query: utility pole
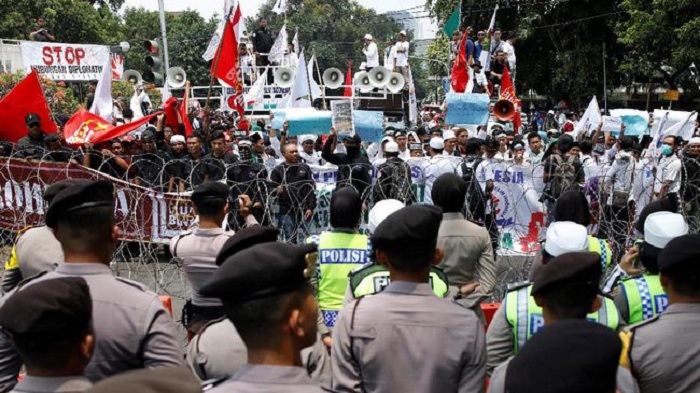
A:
605	82
164	35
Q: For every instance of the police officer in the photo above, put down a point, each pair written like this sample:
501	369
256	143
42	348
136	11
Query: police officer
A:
641	298
520	316
373	277
197	250
161	380
340	251
406	339
36	249
394	177
132	328
247	178
34	317
566	289
662	351
275	313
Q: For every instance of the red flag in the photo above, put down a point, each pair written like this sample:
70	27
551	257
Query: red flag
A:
508	93
225	64
25	98
460	72
184	106
348	80
170	108
87	127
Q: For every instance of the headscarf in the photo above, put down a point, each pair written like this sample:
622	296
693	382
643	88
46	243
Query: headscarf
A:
573	206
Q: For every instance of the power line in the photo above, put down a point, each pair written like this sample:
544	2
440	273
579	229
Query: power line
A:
579	20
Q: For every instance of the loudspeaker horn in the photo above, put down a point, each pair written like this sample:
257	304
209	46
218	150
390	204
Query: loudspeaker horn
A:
284	77
379	76
362	82
396	82
132	76
176	77
333	78
503	110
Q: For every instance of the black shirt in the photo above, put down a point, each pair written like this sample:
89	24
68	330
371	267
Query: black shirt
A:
498	68
148	168
215	167
299	188
352	171
262	41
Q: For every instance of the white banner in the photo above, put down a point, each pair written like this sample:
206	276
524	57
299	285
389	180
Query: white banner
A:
66	62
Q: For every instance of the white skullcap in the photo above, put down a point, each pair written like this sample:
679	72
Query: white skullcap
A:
177	139
382	210
437	143
391	147
307	137
402	32
564	237
694	140
661	227
449	134
368	37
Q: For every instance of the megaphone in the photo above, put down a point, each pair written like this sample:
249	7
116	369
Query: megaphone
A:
395	83
379	76
362	82
176	77
332	78
503	110
284	77
132	76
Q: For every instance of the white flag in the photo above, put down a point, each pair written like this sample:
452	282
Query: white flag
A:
412	100
165	92
295	42
301	96
315	88
591	119
257	91
279	47
210	52
678	128
280	7
485	56
102	104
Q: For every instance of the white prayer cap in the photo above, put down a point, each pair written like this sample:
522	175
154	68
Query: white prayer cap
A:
449	134
564	237
661	227
307	137
177	139
694	140
368	37
403	33
391	147
550	112
437	143
382	210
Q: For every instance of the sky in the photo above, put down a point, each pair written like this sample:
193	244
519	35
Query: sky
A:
207	8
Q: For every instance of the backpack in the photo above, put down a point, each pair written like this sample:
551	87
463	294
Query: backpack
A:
564	177
476	200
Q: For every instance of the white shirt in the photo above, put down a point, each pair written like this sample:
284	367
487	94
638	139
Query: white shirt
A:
372	55
619	176
669	170
311	159
438	166
389	55
480	78
510	51
401	57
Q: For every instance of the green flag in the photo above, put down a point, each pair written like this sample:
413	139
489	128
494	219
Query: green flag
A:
452	24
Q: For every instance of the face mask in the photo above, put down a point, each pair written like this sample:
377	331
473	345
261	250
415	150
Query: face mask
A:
666	150
352	150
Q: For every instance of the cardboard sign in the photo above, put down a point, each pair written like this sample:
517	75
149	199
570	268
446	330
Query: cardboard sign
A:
341	117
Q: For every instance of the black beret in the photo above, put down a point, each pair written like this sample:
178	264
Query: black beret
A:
681	251
412	227
82	194
567	356
578	267
49	309
210	190
54	189
158	380
262	270
246	238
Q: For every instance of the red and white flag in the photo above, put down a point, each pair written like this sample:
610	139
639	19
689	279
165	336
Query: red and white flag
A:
225	63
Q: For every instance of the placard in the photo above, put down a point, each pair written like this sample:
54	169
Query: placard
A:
636	122
612	124
308	121
369	125
279	116
66	62
342	117
467	108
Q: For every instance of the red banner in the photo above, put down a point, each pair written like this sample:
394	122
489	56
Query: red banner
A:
142	214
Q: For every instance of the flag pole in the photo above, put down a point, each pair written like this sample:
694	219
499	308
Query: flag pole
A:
318	73
218	56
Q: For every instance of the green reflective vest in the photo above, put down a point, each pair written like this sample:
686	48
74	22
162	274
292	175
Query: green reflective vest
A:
339	254
525	316
645	297
374	278
602	248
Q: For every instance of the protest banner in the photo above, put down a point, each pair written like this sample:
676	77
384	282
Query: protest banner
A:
369	125
279	116
636	122
342	117
612	124
66	62
467	108
308	121
665	119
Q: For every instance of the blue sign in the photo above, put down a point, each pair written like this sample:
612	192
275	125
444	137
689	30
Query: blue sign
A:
278	119
369	125
302	122
467	108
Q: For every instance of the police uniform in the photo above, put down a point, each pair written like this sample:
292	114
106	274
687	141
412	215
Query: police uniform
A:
406	339
132	328
38	313
662	352
241	279
197	250
161	380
